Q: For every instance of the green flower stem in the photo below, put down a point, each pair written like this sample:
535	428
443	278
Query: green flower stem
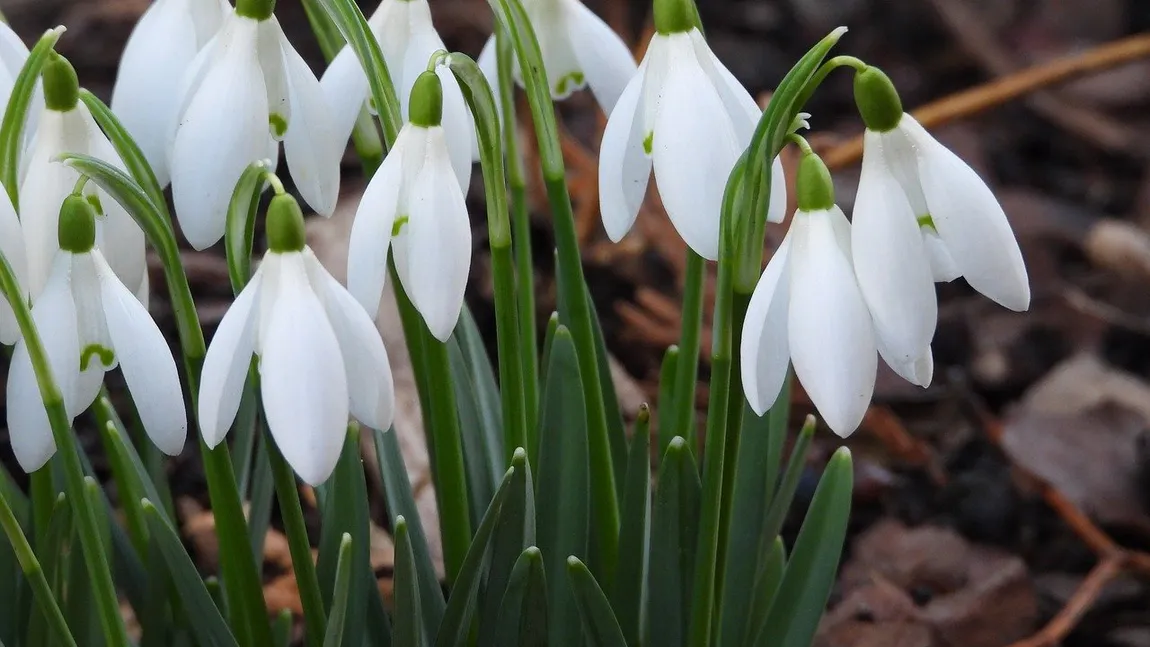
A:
687	364
87	524
35	574
521	233
604	496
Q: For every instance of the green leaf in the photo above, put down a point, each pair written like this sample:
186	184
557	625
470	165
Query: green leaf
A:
548	339
779	417
345	511
241	222
54	552
522	618
378	627
131	478
629	597
767	579
564	523
477	451
456	625
16	113
486	391
599	621
407	630
617	434
339	596
208	625
802	596
260	501
281	629
14	496
674	530
126	148
400	501
514	533
781	503
667	372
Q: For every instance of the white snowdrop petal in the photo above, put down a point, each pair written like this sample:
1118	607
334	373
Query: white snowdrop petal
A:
624	167
55	314
942	265
777	207
97	355
488	63
345	87
226	363
117	233
372	228
370	386
739	104
146	362
13	54
604	58
458	127
764	350
12	246
312	147
918	370
304	384
43	190
222	131
694	149
439	243
565	73
28	427
831	337
890	261
274	65
13	51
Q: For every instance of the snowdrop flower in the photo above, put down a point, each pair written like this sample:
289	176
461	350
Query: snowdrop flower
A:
66	126
408	39
579	50
922	215
414	206
159	52
807	309
319	354
247	90
684	115
13	54
89	323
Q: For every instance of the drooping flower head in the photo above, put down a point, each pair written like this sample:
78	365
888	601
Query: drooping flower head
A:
579	50
408	39
158	54
922	215
90	323
685	116
320	356
414	206
246	91
807	310
66	126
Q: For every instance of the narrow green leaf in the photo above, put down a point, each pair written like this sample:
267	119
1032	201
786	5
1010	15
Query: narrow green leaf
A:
456	625
15	497
126	148
667	372
378	627
767	579
781	504
599	621
241	222
617	433
802	596
260	501
79	606
345	511
548	339
486	391
281	629
779	417
514	533
400	501
245	431
476	457
16	113
674	533
54	551
408	630
130	481
564	482
522	617
629	597
339	596
207	625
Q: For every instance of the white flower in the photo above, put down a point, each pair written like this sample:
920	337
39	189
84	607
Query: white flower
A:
413	205
158	53
319	357
579	50
13	54
12	246
246	90
89	323
686	116
408	39
808	310
66	126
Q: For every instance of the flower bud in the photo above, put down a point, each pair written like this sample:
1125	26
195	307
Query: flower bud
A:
877	100
676	16
61	86
285	225
77	228
816	190
426	107
256	9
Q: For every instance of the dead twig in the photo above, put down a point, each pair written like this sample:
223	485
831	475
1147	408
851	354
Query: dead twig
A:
1077	606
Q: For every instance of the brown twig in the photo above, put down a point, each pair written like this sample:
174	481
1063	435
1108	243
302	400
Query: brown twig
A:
1002	90
1077	606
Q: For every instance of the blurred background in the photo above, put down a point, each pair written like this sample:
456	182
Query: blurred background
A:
1009	503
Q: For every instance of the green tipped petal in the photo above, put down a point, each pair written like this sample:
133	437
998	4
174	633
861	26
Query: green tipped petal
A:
77	230
61	85
816	190
285	225
877	100
426	107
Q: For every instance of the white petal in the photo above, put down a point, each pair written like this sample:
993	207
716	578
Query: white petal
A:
312	147
765	350
370	386
777	208
565	74
694	149
12	246
488	63
303	381
274	65
831	338
117	234
146	361
43	190
624	167
890	262
901	153
226	364
974	228
344	85
96	349
740	105
13	54
439	241
145	97
222	131
374	219
942	265
28	427
918	370
458	126
605	59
